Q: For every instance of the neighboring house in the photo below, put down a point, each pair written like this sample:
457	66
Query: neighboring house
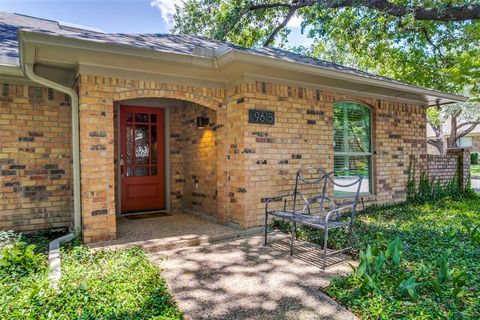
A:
470	141
97	125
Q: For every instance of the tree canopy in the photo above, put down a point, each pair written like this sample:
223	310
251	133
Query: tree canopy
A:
431	43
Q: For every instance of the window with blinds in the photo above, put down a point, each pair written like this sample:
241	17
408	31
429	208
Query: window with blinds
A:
352	146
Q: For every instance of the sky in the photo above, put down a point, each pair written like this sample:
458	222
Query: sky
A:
121	16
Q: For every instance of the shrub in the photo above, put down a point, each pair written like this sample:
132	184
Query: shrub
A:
474	158
18	259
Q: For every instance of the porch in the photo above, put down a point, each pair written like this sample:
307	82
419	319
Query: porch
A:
170	231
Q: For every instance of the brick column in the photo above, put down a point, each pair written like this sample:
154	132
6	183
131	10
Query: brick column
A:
463	166
97	159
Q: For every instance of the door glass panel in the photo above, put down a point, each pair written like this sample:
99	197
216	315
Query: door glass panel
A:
129	144
142	148
129	171
141	171
154	144
153	171
153	118
129	117
141	117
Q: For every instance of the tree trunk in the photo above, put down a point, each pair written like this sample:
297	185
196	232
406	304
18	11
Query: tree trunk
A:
452	138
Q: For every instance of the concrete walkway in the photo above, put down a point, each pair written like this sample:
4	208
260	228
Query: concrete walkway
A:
241	279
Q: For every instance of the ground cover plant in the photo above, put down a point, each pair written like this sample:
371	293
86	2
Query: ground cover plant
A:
105	285
416	261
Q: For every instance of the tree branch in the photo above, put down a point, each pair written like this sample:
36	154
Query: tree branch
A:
467	131
430	41
282	25
444	13
468	123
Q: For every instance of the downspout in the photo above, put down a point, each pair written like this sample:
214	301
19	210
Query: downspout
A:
29	71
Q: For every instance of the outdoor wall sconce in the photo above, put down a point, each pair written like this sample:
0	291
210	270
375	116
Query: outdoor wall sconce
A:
202	122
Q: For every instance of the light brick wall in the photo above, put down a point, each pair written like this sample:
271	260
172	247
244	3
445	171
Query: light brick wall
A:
253	161
444	168
97	135
236	164
35	159
399	131
263	161
193	160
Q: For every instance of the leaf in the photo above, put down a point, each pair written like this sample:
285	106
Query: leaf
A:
368	254
380	262
368	283
394	251
362	267
443	272
409	287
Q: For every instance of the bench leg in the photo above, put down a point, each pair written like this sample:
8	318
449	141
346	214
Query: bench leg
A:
292	237
325	242
266	226
350	236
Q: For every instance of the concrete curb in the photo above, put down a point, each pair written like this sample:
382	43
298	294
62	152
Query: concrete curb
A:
54	261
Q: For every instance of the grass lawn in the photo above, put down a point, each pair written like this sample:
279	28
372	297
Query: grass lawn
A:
105	285
475	170
438	270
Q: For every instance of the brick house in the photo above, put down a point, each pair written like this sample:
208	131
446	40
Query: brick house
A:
94	126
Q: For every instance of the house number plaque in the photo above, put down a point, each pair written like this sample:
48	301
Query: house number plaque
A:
261	116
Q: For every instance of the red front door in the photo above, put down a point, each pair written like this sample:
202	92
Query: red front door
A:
142	158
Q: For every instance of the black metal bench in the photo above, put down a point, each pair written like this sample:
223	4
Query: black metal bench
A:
324	219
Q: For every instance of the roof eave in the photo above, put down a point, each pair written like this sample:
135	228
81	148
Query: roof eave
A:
238	55
226	57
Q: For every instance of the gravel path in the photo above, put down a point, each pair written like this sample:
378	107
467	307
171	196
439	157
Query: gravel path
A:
241	279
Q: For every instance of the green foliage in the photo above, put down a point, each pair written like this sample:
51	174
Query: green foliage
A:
430	189
105	285
435	54
7	237
436	274
18	259
438	266
474	158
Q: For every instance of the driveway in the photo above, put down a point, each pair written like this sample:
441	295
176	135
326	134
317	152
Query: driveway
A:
241	279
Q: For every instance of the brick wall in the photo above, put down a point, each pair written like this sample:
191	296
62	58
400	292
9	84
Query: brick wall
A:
444	168
264	159
476	144
35	159
193	159
97	141
252	161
